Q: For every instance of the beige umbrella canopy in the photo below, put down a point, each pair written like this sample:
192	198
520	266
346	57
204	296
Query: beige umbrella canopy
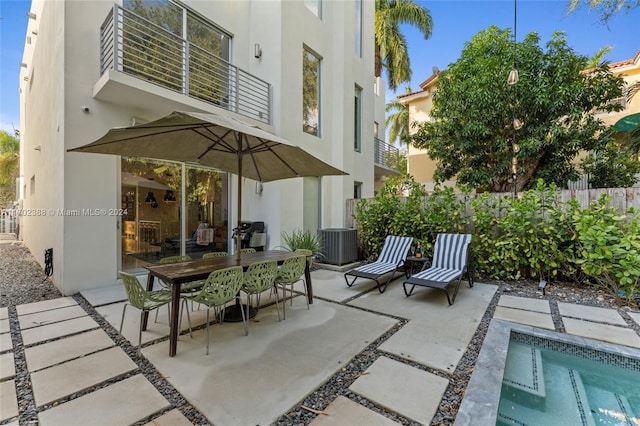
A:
214	141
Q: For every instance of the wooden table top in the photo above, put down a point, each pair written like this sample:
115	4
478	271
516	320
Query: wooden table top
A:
200	269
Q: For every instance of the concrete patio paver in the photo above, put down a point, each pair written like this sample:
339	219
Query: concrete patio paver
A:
124	402
37	319
8	400
332	286
591	313
57	351
411	392
4	326
170	418
6	344
4	313
343	411
73	376
535	319
635	316
525	303
7	366
58	329
427	338
294	356
604	332
45	305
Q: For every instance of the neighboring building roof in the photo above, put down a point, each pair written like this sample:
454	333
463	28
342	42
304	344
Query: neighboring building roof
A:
620	64
424	85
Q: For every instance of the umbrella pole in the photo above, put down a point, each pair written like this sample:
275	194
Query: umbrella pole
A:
238	236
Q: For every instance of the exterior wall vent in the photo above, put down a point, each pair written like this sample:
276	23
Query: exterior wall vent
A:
340	245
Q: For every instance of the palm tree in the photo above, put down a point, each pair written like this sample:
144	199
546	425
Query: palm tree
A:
397	122
9	162
391	45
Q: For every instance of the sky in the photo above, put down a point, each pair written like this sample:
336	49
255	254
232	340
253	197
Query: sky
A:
455	22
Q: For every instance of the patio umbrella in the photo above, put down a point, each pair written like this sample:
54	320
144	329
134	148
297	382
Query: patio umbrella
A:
214	141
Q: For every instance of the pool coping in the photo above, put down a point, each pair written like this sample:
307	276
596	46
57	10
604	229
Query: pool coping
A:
482	397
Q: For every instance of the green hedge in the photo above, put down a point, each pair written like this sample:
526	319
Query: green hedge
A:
532	236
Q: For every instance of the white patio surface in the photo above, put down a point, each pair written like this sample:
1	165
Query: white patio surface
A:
255	379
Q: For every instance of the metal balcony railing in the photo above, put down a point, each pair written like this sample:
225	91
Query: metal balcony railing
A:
136	46
386	155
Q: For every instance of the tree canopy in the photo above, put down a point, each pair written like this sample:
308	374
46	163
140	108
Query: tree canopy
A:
473	136
9	167
606	8
391	45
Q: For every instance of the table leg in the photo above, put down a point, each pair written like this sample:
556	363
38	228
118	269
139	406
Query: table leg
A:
145	317
173	322
307	281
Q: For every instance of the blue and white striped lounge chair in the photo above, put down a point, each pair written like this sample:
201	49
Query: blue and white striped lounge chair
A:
450	262
393	254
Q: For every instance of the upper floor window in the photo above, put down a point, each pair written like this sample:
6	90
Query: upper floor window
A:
357	119
314	6
358	28
310	92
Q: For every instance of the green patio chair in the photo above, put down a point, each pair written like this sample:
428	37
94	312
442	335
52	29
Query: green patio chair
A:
291	271
260	276
185	289
220	288
141	299
247	250
215	254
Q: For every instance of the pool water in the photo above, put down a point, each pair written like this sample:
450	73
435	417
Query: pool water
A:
552	383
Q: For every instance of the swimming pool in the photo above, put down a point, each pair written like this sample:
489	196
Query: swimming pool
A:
526	376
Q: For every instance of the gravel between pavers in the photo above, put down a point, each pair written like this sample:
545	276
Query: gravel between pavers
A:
23	281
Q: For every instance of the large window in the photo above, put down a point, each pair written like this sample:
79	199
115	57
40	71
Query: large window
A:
315	6
358	28
152	202
357	119
310	92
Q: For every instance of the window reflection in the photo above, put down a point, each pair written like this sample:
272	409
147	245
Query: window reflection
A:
152	206
310	93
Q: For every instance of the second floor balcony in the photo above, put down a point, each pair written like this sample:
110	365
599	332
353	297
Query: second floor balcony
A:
137	47
386	158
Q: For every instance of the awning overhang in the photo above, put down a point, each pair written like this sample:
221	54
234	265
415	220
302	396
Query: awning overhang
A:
627	123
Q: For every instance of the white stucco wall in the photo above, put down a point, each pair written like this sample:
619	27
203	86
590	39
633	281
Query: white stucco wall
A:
64	59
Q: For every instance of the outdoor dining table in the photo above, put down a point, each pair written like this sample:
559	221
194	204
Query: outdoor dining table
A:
177	274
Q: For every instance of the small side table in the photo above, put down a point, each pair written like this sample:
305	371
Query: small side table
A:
413	264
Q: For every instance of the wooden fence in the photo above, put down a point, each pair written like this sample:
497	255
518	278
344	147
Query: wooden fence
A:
622	199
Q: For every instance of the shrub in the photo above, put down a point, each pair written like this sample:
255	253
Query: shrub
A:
610	247
418	216
530	236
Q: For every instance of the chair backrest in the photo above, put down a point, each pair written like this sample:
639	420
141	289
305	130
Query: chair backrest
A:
221	286
135	292
260	276
395	249
292	269
451	251
175	259
215	254
308	253
247	250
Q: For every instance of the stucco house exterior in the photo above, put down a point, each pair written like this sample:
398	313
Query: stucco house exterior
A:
302	70
420	102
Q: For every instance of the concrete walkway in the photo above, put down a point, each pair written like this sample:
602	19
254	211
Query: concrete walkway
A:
81	373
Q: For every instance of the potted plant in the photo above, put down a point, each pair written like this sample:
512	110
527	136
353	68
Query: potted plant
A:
299	239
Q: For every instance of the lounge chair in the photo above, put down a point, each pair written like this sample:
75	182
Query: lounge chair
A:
393	254
450	262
